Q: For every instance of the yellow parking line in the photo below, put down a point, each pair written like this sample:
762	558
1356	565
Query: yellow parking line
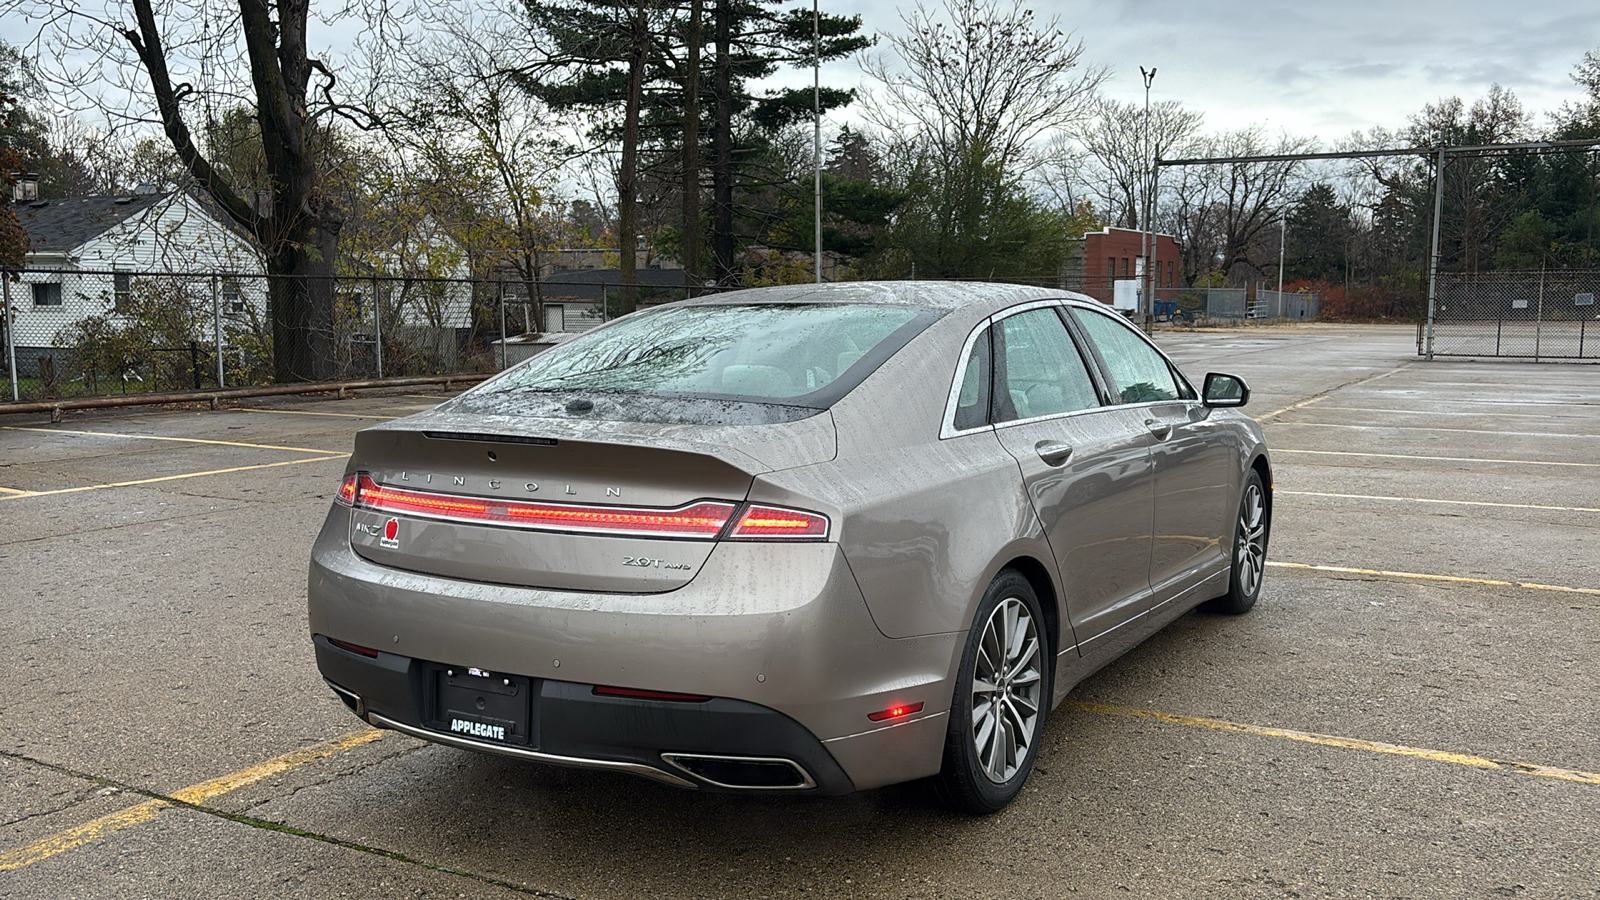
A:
1470	459
302	412
1538	434
152	437
1292	408
1421	576
1436	413
1328	740
6	490
194	794
1432	500
117	484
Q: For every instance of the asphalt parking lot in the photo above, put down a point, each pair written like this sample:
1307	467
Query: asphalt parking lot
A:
1412	710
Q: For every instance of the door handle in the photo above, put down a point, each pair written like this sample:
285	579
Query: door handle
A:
1054	453
1159	429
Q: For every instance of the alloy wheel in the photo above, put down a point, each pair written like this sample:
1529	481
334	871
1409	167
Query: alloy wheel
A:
1006	685
1250	541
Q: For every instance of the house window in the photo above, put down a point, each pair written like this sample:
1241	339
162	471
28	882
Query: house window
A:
1124	267
47	294
1169	274
1111	268
121	290
234	297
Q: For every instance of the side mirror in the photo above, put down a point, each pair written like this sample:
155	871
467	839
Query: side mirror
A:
1225	390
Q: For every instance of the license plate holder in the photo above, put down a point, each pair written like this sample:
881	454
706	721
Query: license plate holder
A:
479	705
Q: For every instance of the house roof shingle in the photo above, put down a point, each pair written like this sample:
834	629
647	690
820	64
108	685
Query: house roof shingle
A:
58	226
589	284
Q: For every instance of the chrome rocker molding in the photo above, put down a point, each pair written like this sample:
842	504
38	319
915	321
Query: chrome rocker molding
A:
806	781
574	761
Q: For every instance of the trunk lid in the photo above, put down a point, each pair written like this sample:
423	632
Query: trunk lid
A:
620	507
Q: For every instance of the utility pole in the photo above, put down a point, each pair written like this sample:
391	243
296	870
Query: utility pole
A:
1146	238
816	118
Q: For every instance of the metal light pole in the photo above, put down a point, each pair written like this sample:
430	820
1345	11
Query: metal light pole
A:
816	108
1283	240
1433	252
1146	238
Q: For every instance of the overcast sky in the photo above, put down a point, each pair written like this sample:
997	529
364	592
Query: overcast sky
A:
1322	69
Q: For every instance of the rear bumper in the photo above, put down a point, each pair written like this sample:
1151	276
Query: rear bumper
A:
756	748
779	637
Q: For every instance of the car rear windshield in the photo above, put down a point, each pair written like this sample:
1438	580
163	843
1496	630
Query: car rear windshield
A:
798	355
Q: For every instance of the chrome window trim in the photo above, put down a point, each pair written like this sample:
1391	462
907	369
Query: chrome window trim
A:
947	427
1052	416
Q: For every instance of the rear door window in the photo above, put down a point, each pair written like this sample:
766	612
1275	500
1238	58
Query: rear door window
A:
1039	370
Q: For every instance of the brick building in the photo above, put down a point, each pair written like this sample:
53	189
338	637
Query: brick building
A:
1112	255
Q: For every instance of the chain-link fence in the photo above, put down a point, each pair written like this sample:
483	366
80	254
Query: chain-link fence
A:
1526	315
1240	305
74	333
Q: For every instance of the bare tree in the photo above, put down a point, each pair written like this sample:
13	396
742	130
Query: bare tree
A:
174	66
1222	212
471	137
1120	155
993	79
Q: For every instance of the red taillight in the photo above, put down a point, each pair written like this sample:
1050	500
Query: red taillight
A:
639	694
704	519
765	523
895	712
348	489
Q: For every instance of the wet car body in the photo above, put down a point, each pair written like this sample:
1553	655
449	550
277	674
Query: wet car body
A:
927	471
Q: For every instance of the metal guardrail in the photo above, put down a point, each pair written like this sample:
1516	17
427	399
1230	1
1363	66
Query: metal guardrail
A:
56	408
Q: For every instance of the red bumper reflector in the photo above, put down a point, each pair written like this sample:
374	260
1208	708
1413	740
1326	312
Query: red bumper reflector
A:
638	694
895	712
368	652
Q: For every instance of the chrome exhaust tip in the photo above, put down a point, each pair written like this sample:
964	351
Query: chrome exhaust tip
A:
743	773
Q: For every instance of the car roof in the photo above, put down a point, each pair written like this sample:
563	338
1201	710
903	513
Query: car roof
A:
982	297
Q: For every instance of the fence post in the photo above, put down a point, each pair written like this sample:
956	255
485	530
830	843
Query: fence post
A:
216	326
502	305
11	343
1538	316
377	326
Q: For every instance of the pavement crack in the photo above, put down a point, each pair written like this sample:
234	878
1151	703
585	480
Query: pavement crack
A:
357	769
1328	392
397	856
82	795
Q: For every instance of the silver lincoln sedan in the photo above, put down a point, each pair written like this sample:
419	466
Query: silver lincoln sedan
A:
818	538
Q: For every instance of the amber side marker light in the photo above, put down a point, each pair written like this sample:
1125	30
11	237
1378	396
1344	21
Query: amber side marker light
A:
895	712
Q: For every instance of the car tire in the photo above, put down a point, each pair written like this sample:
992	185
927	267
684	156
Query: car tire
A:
1250	531
998	714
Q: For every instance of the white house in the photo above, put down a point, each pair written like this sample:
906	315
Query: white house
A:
88	252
